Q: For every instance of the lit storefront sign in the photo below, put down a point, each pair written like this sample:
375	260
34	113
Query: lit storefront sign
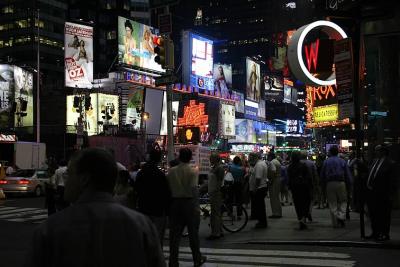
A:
8	138
325	113
194	115
297	46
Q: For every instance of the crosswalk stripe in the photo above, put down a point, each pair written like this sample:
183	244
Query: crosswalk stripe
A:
7	208
311	254
21	214
15	211
237	260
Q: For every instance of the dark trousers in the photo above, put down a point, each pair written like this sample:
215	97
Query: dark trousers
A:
302	200
184	212
50	200
235	197
60	202
259	205
380	210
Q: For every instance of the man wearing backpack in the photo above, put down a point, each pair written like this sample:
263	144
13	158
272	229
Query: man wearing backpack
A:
336	178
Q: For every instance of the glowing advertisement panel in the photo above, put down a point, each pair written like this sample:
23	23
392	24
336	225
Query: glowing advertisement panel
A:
135	44
90	120
325	113
239	101
201	75
175	109
6	83
23	91
133	108
222	75
253	80
108	110
78	57
227	120
245	131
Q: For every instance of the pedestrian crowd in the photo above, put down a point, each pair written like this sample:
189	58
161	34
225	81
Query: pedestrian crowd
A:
103	214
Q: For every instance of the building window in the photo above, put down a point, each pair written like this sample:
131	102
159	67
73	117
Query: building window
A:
23	23
7	9
41	23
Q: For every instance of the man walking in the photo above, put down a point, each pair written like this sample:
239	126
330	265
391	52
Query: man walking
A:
275	186
60	179
336	177
184	210
312	169
95	230
258	186
381	186
153	193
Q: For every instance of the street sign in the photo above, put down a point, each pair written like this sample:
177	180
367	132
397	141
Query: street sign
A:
165	80
165	23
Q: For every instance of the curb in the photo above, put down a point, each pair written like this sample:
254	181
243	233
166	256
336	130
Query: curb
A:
329	243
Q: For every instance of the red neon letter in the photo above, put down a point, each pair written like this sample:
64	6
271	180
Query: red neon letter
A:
312	55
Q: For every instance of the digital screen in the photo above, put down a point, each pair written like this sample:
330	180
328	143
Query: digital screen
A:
222	75
261	109
133	108
227	120
78	55
201	75
6	82
135	44
239	101
253	80
245	132
23	94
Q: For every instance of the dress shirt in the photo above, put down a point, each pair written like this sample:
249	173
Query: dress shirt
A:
258	172
60	176
96	231
182	181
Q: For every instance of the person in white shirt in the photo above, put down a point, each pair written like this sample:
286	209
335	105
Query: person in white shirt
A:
59	180
258	188
9	170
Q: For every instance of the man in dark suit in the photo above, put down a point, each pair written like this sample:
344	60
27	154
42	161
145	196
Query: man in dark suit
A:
380	186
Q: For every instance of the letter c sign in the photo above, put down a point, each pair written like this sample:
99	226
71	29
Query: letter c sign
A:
295	51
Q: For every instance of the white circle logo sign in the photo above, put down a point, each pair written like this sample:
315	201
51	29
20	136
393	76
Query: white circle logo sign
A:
295	51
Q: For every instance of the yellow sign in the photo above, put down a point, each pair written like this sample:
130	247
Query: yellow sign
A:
325	113
189	135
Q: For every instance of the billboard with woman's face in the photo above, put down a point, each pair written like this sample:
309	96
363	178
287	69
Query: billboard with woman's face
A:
253	80
135	45
222	74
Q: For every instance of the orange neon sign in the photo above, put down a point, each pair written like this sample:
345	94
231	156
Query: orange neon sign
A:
194	115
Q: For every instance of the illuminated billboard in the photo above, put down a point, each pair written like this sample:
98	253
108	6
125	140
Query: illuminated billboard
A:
78	55
6	91
325	113
202	60
134	107
245	132
239	101
175	109
253	80
227	120
194	114
135	45
103	110
23	95
222	75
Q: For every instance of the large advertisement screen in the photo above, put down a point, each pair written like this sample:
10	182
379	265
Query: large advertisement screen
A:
78	49
253	80
175	109
23	85
134	107
222	75
108	110
6	83
245	132
90	124
227	120
135	44
201	75
239	101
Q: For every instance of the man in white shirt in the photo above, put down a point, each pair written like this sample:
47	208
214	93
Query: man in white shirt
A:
59	180
258	187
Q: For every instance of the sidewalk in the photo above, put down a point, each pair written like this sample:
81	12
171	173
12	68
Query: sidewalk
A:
320	232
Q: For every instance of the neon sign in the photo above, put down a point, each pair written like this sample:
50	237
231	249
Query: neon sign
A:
194	115
295	52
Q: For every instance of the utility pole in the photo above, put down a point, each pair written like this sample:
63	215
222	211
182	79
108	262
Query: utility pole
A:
38	81
170	127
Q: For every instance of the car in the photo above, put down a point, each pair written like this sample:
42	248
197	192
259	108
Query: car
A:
27	181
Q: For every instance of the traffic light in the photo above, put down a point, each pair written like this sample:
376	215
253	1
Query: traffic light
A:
88	103
164	48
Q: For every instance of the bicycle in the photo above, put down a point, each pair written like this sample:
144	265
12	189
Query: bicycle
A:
231	222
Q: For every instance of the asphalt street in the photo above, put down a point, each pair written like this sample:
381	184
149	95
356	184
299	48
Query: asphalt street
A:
20	215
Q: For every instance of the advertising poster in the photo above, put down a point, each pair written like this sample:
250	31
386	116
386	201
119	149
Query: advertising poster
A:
250	110
239	98
201	75
90	120
261	109
6	83
294	97
78	59
133	108
222	75
135	45
108	108
253	80
227	120
175	109
273	85
23	93
287	94
245	132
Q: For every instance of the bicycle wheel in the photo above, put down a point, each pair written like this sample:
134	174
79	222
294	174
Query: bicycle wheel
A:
231	222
